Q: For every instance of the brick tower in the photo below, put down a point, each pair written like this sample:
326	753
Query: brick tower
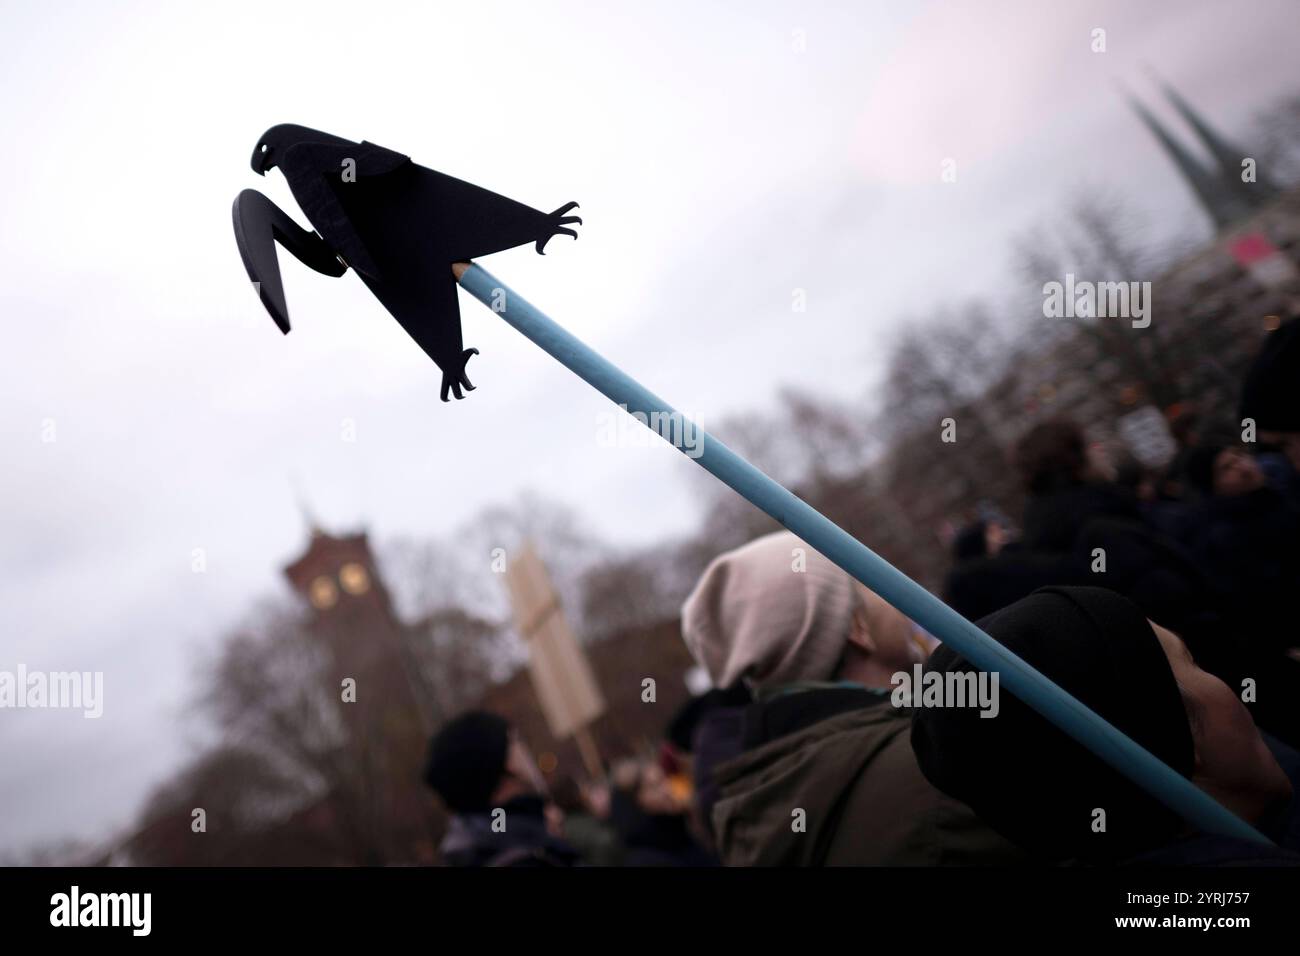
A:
378	796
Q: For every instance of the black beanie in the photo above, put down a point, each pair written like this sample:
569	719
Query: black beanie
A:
466	760
971	542
1198	468
1030	781
1271	392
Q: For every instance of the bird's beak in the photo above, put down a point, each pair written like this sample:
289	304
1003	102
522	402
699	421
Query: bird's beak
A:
261	156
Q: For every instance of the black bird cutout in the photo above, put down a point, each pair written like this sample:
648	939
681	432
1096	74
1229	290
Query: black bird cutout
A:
400	226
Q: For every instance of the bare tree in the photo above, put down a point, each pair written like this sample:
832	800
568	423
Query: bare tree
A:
1100	239
459	656
65	852
827	439
556	532
641	590
943	367
289	737
214	811
272	692
431	575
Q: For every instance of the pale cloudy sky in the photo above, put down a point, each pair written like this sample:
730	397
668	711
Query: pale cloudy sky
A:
724	155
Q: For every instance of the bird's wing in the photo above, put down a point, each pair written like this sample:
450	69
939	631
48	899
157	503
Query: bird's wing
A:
259	223
312	168
377	161
478	221
432	318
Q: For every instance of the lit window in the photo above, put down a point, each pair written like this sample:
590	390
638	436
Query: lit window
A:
354	578
323	593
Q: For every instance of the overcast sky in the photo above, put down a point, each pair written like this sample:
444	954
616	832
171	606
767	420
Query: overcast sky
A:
724	155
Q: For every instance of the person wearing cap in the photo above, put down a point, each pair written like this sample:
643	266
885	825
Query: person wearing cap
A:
486	777
826	775
1050	796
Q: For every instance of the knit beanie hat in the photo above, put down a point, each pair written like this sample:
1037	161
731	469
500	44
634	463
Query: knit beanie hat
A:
467	759
771	612
1024	777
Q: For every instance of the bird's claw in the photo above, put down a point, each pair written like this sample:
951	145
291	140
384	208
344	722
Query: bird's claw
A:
556	223
452	381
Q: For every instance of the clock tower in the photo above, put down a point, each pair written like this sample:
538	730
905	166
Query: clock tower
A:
385	723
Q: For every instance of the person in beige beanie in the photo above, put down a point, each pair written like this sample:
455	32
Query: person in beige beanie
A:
821	768
776	612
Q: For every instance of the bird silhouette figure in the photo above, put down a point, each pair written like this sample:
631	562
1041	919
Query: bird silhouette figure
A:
398	225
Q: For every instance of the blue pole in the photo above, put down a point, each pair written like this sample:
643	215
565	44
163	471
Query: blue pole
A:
1040	693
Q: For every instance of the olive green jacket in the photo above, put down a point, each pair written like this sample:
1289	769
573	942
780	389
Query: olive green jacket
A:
845	791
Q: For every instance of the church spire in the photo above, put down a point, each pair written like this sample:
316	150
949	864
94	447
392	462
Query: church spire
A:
1223	204
304	509
1227	155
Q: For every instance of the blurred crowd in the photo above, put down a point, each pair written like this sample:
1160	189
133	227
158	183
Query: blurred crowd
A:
1159	598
